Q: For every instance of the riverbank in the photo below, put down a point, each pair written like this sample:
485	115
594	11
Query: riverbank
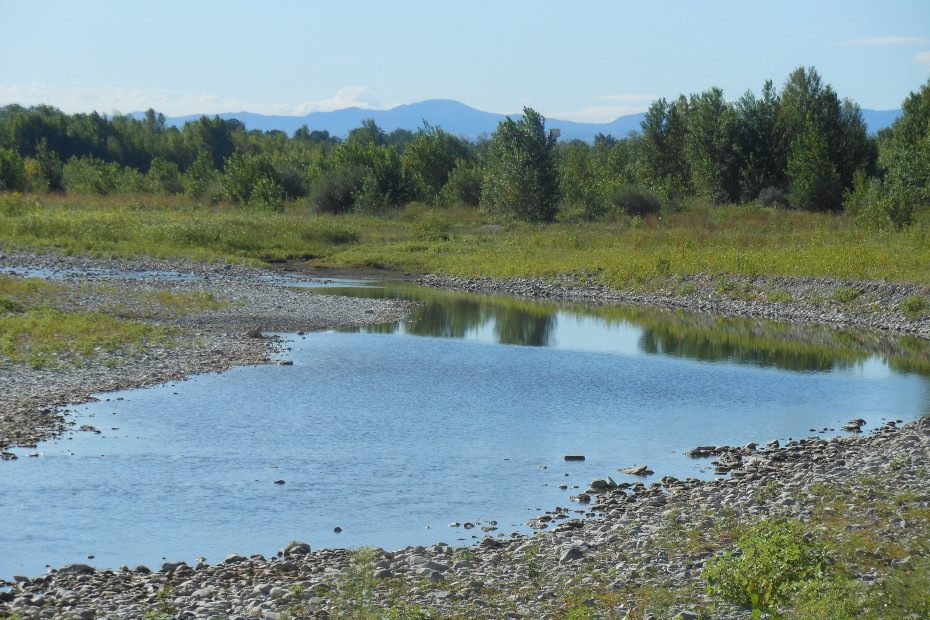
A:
641	553
881	306
227	334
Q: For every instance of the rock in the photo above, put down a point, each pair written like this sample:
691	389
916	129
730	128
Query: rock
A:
574	457
571	554
279	481
233	558
169	567
77	569
296	547
640	470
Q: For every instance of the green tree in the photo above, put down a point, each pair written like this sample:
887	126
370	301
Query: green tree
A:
520	180
814	183
762	162
710	147
369	132
12	171
663	165
252	180
905	155
430	157
805	100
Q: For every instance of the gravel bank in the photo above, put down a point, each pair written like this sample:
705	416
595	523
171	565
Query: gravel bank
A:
815	301
208	341
641	540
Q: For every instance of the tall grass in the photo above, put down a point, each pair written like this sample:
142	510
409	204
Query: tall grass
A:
629	253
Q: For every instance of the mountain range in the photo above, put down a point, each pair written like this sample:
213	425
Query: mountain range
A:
454	118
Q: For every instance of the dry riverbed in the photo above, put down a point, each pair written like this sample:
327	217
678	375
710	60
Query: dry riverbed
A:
638	553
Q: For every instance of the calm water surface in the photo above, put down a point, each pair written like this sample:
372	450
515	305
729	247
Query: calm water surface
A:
462	412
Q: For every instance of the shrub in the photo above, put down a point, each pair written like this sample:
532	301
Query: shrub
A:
12	171
778	558
163	177
434	226
913	307
89	175
334	191
464	184
15	205
633	201
773	197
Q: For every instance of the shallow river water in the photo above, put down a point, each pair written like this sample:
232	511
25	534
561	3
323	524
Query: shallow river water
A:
461	413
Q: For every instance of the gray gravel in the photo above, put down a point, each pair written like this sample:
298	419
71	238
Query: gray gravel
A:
813	301
626	542
634	540
255	302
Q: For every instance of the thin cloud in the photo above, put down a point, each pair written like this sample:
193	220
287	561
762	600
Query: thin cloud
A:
110	99
888	41
923	58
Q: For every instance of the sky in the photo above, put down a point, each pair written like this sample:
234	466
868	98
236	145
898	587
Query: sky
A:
583	61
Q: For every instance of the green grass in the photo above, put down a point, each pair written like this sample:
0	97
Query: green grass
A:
39	327
633	254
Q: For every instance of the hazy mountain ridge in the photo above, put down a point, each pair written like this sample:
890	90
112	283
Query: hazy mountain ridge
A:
455	118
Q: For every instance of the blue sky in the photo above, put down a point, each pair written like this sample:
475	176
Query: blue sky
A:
584	61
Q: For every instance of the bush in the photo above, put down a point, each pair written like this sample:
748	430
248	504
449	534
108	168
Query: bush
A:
163	177
875	206
434	226
633	201
773	197
914	307
12	171
778	558
335	190
89	175
464	184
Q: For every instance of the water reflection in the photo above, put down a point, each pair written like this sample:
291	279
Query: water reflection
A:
677	333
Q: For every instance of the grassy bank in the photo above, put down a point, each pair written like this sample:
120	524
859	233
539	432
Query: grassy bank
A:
631	253
47	324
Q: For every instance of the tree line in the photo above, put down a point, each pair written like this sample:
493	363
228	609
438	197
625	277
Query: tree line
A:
798	147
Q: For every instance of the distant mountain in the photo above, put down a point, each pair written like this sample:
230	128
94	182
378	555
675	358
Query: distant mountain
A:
876	120
455	118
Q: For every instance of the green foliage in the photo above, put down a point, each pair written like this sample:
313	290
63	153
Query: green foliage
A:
252	180
165	608
710	141
464	184
814	181
777	559
357	587
12	171
434	226
334	191
633	201
17	205
201	180
773	197
385	184
431	157
520	179
914	307
92	176
163	177
846	294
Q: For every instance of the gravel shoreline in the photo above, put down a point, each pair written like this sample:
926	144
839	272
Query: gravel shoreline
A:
811	301
630	542
636	543
208	341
